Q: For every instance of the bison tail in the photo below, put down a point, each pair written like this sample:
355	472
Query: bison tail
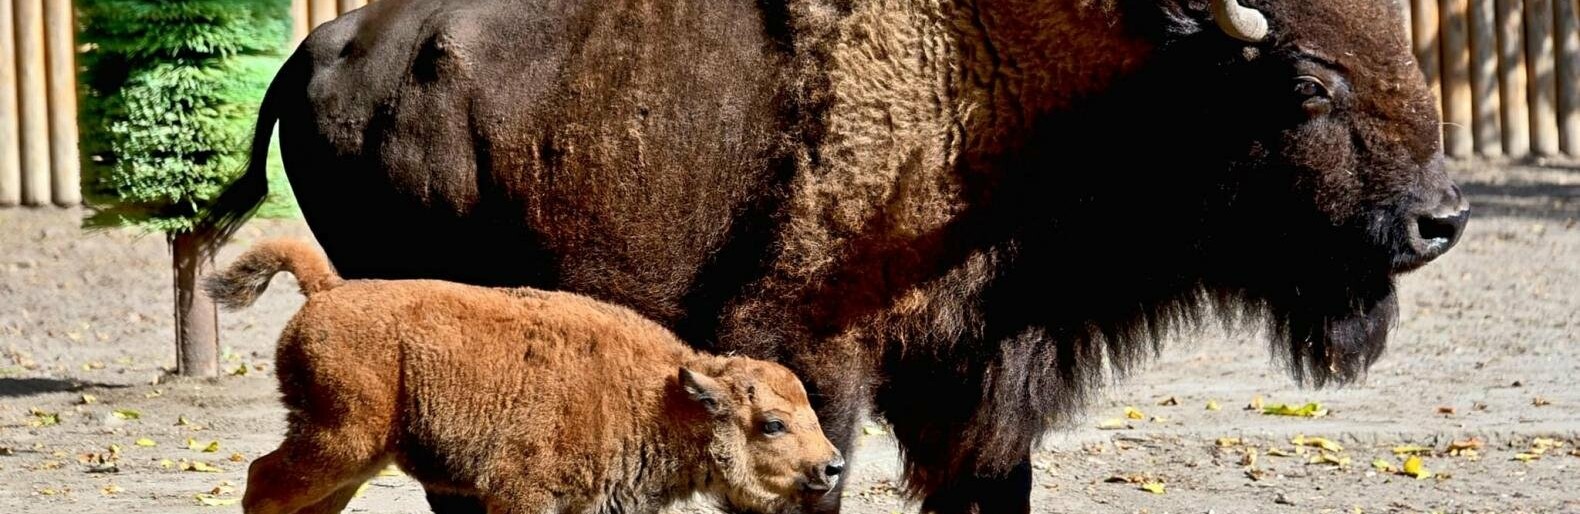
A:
240	284
242	198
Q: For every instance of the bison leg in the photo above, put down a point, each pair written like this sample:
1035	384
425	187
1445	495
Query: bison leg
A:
1006	494
945	463
444	502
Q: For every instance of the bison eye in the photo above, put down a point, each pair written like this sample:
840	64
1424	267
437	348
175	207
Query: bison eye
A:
1310	87
773	427
1314	95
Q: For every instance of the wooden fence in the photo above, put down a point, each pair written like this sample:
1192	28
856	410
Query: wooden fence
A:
1507	73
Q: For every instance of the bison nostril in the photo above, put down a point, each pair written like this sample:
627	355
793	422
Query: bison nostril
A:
1442	229
833	469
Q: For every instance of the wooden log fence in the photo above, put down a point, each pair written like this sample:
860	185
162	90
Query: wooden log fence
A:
1506	74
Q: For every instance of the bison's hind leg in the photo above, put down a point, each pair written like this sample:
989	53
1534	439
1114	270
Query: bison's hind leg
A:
312	473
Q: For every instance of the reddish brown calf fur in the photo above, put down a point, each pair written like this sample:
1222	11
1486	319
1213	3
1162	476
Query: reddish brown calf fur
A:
533	401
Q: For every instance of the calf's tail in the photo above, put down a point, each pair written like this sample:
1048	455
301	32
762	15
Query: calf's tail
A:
240	284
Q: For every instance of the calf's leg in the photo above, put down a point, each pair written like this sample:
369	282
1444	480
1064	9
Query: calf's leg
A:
309	474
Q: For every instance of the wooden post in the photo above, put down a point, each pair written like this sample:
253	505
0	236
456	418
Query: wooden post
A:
32	92
1484	77
323	11
1409	26
1568	40
60	30
1512	77
197	321
1543	82
10	144
1457	108
301	21
1426	52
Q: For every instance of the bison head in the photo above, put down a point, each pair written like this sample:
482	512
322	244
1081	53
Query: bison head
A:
1335	178
1282	157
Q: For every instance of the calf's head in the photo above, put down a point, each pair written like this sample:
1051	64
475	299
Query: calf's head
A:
765	445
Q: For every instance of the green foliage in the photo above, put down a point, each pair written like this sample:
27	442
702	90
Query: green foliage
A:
170	95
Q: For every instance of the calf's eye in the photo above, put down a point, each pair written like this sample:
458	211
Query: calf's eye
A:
773	427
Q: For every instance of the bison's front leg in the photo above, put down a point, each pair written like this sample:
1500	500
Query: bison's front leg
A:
442	502
953	458
984	494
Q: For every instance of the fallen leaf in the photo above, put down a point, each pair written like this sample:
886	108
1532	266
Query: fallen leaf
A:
1278	452
1133	413
1474	443
390	471
1153	487
1169	402
1384	466
181	421
44	419
213	446
1540	402
1317	442
1310	410
145	442
209	500
237	457
200	466
1411	449
1413	467
1249	458
1159	419
166	463
127	414
1229	441
87	399
1256	403
873	430
1445	410
1526	457
240	371
1330	458
1113	424
1213	405
1126	479
112	489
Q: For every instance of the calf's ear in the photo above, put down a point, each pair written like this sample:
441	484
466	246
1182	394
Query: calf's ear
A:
703	389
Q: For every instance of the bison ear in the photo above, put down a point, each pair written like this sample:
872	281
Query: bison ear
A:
702	389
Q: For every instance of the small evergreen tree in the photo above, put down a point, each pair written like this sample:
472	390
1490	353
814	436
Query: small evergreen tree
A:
170	91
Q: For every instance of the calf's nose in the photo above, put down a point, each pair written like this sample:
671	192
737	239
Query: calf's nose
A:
834	467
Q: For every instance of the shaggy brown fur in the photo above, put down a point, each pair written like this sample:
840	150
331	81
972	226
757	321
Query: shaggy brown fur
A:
533	401
964	215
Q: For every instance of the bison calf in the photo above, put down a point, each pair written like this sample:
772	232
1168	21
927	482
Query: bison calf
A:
533	401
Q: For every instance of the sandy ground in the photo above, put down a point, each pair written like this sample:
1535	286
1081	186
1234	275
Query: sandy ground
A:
1486	350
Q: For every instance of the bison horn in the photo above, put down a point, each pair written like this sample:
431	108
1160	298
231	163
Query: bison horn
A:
1240	22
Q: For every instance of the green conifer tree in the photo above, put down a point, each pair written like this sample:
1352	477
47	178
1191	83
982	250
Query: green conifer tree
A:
170	91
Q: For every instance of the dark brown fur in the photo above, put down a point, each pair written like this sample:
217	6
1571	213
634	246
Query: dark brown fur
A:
531	401
888	196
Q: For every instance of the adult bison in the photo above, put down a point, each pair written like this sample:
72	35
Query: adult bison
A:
961	215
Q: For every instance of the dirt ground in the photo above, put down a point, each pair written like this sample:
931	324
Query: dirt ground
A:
1485	353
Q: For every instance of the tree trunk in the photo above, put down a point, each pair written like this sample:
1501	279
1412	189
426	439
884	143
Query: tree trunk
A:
197	322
